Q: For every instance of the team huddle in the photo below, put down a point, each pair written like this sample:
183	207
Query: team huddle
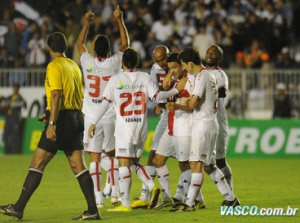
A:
193	126
188	99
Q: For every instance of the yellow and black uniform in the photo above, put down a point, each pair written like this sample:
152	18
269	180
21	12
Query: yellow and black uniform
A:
64	74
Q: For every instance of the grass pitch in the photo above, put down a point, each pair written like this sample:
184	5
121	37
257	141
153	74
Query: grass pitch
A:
265	183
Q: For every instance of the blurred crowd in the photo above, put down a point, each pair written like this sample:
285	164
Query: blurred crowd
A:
252	33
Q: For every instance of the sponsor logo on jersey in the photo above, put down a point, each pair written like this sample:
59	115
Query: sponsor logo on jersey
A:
121	86
129	87
90	69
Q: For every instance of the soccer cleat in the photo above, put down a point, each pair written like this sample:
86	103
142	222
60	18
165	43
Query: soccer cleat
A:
182	207
175	200
10	211
233	203
139	204
86	216
120	208
164	204
115	201
200	205
100	205
154	194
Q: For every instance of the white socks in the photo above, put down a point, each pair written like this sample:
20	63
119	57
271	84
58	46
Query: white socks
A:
151	171
186	177
125	183
114	177
219	179
196	183
226	170
143	176
179	191
163	177
95	171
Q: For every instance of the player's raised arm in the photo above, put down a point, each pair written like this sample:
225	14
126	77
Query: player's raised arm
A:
118	14
87	19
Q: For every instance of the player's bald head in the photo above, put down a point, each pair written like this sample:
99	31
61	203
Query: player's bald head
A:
160	55
160	51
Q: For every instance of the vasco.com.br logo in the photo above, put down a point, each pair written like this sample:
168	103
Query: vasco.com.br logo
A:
255	211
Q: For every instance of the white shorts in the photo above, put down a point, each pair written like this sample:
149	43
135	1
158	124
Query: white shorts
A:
166	145
103	139
128	150
160	129
221	144
174	146
182	146
203	146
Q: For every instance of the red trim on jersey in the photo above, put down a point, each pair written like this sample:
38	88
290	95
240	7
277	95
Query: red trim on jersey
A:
144	171
160	77
171	116
100	59
104	98
155	95
184	94
166	175
106	78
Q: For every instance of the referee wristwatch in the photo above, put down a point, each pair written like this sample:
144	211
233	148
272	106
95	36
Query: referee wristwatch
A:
52	123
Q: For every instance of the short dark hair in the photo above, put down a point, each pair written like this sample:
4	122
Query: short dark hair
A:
102	46
173	58
57	42
130	58
219	51
190	55
16	85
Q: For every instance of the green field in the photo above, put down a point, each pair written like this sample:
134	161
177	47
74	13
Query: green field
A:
265	183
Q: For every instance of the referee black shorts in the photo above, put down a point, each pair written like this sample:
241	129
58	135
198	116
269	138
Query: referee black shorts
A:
69	132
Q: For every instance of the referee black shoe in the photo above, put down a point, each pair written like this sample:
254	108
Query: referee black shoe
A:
86	216
10	211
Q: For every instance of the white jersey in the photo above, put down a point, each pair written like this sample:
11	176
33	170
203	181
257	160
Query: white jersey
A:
157	74
129	92
179	121
222	81
96	76
222	138
206	91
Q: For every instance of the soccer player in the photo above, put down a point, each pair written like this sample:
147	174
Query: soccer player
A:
176	139
97	72
204	131
129	91
158	72
213	57
63	130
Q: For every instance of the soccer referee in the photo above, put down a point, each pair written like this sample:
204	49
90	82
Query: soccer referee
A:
63	130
